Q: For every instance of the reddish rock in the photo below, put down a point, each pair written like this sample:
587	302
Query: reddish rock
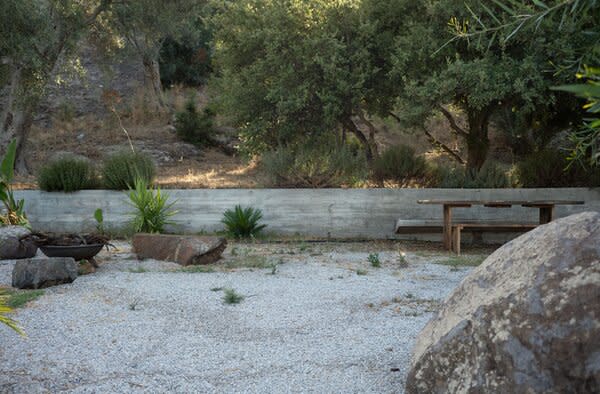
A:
181	249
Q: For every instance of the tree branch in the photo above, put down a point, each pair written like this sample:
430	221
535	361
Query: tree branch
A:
457	129
435	142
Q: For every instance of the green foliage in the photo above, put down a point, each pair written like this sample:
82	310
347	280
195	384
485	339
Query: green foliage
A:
315	165
152	209
193	127
374	260
232	297
187	59
399	163
99	217
15	209
549	168
66	174
4	310
587	139
272	82
490	176
19	298
243	222
121	169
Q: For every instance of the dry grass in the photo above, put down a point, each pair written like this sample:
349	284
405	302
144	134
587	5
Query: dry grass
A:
95	137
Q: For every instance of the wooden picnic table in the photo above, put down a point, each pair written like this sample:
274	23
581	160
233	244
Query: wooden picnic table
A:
546	208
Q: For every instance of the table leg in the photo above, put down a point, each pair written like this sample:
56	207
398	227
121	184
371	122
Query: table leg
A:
546	214
447	227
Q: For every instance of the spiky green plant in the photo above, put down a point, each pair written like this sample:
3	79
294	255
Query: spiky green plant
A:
152	209
15	209
4	310
243	222
232	297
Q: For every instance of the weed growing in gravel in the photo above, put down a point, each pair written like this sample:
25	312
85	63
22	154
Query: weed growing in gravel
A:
198	269
248	262
133	304
402	261
274	267
409	295
361	272
374	260
138	270
231	297
18	298
462	261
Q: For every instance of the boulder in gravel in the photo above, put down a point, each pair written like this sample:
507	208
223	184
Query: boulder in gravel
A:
43	272
181	249
12	246
527	320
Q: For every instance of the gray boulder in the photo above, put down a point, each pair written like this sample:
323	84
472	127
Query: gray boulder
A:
44	272
527	320
11	247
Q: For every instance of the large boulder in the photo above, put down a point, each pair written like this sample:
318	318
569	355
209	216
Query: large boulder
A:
181	249
527	320
43	272
12	244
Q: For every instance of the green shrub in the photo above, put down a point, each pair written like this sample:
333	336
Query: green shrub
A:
243	222
232	297
193	127
121	170
490	176
315	166
374	260
66	174
548	168
152	210
399	163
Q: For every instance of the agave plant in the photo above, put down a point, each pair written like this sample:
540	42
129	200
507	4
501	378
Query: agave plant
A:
152	209
243	222
15	214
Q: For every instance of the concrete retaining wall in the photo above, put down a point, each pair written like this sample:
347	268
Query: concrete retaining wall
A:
337	213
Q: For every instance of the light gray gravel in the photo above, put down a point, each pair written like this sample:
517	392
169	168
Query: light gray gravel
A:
315	326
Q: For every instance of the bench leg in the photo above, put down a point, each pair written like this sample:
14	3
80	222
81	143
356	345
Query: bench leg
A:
456	240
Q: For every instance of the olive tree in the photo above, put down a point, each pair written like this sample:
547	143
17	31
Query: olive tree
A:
477	76
294	69
35	35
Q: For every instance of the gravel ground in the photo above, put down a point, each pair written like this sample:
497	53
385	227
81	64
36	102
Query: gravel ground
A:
316	325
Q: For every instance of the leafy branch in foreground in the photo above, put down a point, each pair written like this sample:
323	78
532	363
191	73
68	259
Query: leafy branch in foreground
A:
4	310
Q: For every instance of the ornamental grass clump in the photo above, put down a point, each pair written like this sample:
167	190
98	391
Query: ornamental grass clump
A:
120	170
66	174
243	222
152	209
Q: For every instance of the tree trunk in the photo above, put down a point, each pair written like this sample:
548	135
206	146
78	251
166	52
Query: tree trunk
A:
16	120
152	79
349	124
478	142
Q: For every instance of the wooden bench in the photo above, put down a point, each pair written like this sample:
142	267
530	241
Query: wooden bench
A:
457	228
404	226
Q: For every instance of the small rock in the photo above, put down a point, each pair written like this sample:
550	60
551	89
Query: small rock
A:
11	247
181	249
43	272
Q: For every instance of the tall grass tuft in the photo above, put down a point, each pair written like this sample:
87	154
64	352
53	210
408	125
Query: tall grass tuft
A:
121	169
243	222
66	174
152	209
399	163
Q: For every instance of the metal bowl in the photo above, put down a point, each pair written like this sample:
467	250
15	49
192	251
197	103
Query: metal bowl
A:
78	252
